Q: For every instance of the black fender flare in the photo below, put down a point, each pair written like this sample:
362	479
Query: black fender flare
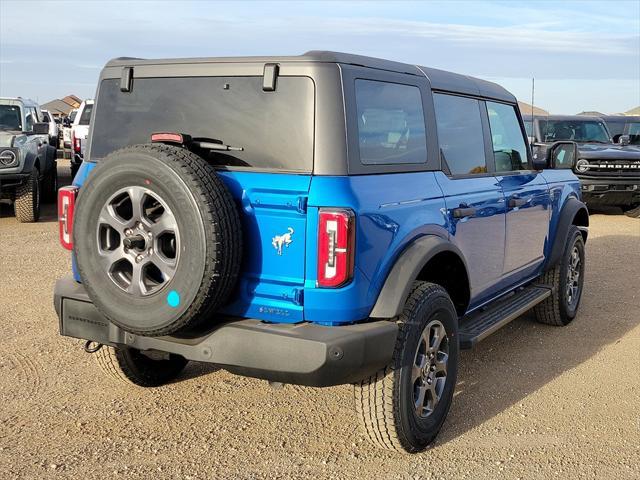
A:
397	286
569	211
29	162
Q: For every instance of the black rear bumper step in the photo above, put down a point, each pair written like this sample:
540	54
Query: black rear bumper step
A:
302	353
479	325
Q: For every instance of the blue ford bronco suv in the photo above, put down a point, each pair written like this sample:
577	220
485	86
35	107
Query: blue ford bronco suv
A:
317	220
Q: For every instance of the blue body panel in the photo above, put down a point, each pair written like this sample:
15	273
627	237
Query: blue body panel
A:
503	246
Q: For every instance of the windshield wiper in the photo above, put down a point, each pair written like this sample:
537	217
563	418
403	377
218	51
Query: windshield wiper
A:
214	144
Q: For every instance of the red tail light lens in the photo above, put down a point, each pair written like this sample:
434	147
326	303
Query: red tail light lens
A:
76	143
336	245
66	206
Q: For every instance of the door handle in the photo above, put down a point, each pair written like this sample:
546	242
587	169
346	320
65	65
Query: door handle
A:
516	202
463	212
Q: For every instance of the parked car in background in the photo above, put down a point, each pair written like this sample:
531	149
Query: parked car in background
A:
67	122
620	125
609	173
318	220
27	161
53	128
79	132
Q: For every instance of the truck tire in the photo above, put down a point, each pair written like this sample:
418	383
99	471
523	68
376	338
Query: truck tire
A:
134	367
632	211
27	202
157	239
50	184
403	406
566	280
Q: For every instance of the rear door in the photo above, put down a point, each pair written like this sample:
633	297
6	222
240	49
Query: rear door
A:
473	195
525	190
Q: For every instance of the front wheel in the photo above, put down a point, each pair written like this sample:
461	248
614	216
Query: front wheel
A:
403	406
632	211
27	202
132	366
566	280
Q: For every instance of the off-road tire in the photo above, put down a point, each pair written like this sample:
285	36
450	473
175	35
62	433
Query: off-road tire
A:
384	401
632	211
555	310
210	240
50	184
27	201
133	367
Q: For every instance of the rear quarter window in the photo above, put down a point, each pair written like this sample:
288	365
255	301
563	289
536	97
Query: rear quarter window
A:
391	128
275	129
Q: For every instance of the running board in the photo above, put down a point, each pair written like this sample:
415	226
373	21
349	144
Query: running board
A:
479	325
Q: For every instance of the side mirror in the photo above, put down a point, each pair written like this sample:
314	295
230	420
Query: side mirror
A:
562	155
624	140
41	128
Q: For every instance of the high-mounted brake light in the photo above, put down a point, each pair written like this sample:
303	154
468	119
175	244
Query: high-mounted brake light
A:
168	137
66	207
336	245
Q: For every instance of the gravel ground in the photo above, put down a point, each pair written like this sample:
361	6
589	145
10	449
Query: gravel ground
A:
532	401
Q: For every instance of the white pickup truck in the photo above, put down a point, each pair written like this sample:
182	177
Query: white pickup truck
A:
79	132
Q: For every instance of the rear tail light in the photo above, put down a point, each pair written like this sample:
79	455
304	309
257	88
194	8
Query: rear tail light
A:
66	206
336	245
76	143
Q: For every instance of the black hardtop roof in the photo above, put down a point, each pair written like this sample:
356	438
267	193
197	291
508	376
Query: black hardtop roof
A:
440	79
622	118
585	118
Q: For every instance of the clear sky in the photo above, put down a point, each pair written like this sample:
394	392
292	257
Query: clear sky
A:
584	55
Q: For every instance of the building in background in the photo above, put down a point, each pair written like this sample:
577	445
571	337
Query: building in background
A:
62	107
527	109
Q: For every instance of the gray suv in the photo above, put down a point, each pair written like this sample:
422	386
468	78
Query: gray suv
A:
27	160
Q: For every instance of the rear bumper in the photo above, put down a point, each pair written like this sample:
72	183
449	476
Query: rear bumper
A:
610	190
303	354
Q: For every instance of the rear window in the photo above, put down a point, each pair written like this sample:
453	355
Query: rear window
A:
390	123
275	129
86	114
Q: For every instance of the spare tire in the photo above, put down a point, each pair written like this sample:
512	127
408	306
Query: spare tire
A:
157	239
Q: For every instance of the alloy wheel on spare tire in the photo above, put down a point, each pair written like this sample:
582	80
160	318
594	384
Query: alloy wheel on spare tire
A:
157	239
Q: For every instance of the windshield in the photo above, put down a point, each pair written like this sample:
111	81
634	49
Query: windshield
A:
274	129
528	126
10	117
575	130
86	114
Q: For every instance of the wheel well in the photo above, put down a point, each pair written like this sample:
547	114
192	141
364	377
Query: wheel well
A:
581	219
447	270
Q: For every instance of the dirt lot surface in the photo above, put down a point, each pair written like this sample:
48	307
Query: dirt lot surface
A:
532	401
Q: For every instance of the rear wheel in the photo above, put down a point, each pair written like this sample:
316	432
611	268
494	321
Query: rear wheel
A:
139	368
50	184
403	406
566	280
27	202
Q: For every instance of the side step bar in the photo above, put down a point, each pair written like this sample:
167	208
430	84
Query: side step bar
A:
478	325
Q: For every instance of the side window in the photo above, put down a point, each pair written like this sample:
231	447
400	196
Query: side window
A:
460	134
391	127
509	147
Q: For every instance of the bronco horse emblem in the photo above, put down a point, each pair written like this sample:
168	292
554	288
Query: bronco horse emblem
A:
283	240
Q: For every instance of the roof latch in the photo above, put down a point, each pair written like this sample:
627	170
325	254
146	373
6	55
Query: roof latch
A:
126	79
269	77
